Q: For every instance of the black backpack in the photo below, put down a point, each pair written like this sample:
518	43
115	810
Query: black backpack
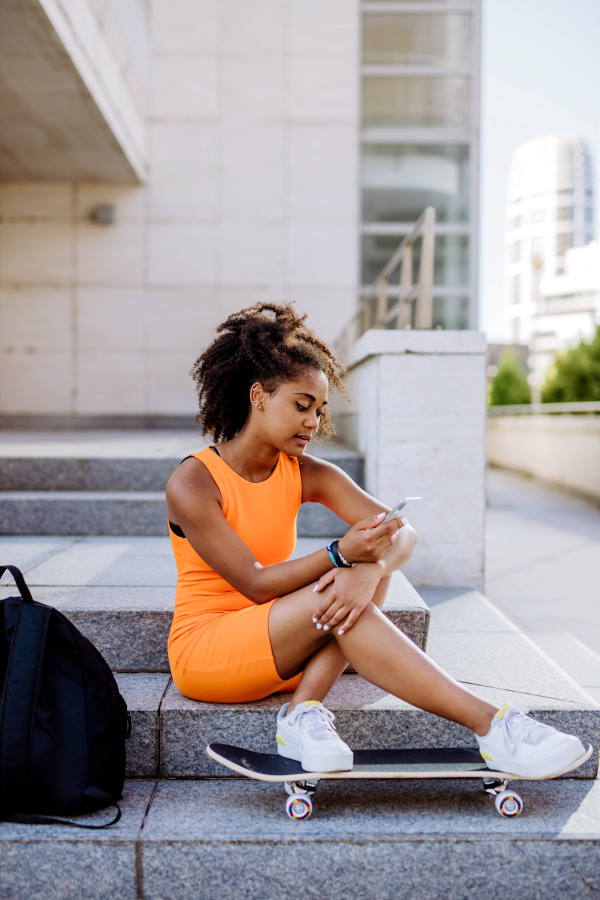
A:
63	722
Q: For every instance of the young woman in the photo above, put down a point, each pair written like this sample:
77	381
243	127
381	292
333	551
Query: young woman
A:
248	620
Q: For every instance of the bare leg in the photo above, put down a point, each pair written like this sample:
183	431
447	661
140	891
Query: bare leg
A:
378	651
327	664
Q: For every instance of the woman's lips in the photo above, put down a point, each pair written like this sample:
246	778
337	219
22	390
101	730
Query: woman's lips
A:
302	439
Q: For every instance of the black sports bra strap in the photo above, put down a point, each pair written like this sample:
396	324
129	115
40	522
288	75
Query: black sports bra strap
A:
175	528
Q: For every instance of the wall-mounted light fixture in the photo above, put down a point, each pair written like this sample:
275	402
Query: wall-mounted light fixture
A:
103	214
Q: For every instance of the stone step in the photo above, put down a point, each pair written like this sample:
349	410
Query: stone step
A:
468	637
113	483
113	474
124	513
576	658
130	626
231	839
117	461
120	592
170	732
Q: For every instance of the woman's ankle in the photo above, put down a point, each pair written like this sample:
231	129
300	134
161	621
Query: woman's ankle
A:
484	723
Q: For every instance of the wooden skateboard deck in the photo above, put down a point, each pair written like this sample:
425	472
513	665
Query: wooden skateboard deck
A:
450	762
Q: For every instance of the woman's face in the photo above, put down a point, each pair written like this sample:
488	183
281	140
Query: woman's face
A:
290	415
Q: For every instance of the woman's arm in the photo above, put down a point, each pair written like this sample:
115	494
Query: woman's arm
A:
194	503
346	592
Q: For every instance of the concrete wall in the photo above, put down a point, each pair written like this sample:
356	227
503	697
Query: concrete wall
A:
251	195
418	415
563	449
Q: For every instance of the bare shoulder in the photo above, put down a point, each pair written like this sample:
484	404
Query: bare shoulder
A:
190	483
317	476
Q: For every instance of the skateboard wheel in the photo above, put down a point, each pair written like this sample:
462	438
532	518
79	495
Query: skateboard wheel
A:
298	806
509	804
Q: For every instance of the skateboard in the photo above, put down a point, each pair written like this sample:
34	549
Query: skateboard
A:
451	762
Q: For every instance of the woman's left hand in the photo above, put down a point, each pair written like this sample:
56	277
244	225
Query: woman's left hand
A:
347	593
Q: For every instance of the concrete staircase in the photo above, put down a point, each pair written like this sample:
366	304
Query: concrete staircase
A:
113	483
192	830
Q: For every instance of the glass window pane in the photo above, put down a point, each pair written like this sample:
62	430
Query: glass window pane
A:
451	313
451	266
424	40
400	180
416	102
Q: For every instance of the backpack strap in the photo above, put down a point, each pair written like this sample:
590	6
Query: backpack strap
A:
92	792
19	700
19	581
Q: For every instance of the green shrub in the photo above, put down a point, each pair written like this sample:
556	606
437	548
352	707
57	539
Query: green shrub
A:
575	374
509	385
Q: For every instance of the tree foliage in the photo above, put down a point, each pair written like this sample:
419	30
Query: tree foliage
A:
509	385
575	374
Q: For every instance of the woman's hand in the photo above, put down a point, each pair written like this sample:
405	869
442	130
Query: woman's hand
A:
368	540
346	594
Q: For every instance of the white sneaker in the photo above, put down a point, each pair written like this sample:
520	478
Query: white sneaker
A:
518	745
308	736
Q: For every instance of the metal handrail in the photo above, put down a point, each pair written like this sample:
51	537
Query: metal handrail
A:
400	315
527	409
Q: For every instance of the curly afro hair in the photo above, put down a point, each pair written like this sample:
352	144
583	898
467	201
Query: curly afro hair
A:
269	343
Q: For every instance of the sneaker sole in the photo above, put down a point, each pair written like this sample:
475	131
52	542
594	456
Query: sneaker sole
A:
339	762
568	768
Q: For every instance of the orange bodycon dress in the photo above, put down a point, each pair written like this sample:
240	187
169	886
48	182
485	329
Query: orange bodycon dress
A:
219	646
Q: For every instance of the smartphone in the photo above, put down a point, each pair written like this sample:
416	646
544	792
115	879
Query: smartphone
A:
395	512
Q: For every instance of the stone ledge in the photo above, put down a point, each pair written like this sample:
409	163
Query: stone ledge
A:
366	717
231	839
121	461
440	343
126	513
130	625
83	513
143	695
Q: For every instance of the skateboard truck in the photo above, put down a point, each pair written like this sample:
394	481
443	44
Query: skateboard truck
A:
493	786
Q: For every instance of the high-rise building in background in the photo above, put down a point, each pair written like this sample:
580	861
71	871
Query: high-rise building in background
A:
550	209
569	308
420	143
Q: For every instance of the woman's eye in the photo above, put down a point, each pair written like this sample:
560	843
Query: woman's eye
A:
303	408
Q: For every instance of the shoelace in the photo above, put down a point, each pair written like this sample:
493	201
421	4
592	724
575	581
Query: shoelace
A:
316	719
518	725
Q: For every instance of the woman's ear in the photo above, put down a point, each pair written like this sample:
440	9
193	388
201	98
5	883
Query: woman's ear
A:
257	396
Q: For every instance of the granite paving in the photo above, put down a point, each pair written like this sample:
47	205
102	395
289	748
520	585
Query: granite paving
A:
120	592
366	717
575	657
371	841
543	558
64	512
231	839
50	862
143	695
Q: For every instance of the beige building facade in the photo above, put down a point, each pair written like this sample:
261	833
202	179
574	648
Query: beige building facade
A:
165	163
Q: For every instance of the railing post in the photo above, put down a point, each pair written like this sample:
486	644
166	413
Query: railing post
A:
382	304
406	277
366	301
424	310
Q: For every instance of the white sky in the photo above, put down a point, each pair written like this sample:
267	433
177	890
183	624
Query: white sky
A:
541	75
